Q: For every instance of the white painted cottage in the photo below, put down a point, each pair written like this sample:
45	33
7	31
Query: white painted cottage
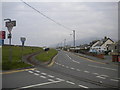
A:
101	45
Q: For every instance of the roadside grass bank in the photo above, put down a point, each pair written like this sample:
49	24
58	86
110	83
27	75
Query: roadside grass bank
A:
16	56
46	55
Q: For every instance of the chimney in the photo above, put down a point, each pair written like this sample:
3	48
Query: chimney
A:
105	37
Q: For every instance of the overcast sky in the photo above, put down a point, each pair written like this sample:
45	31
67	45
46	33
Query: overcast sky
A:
90	20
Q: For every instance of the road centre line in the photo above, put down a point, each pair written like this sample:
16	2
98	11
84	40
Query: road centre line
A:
104	75
36	74
86	71
51	80
88	59
41	84
78	69
42	76
51	76
72	68
102	67
59	64
37	71
114	80
100	77
76	61
70	82
60	79
43	73
95	73
82	86
73	60
69	56
63	65
67	67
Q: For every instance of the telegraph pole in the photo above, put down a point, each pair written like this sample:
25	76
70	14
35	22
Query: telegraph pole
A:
74	38
64	43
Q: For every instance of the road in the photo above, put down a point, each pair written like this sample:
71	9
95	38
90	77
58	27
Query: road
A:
67	71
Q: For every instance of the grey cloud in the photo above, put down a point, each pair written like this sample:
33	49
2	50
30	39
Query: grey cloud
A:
88	19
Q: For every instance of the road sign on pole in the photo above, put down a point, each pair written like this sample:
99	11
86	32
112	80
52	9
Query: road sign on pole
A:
10	24
23	41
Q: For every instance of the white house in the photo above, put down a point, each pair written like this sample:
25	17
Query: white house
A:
101	45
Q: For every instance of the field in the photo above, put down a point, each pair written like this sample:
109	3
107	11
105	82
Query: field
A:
16	56
46	55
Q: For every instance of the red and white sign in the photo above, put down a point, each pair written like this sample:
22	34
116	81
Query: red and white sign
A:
2	35
10	25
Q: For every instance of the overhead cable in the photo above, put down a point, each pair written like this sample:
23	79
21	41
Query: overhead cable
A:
46	16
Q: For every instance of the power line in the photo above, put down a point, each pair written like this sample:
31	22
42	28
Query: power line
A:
46	16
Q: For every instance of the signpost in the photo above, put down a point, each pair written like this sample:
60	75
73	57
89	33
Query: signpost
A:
10	24
23	39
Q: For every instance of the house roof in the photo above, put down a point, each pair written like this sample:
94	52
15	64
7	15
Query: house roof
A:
93	42
101	42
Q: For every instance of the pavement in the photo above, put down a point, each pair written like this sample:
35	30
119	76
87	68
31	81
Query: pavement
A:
66	70
107	59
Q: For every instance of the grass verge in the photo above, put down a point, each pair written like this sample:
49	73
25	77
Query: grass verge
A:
46	55
16	56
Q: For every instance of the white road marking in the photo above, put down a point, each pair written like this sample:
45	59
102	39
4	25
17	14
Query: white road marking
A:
78	69
67	67
73	60
100	77
68	56
70	82
104	75
83	86
95	73
38	85
43	73
76	61
37	71
51	80
56	63
114	80
72	68
30	72
86	71
36	74
63	65
42	76
60	79
51	76
103	67
59	64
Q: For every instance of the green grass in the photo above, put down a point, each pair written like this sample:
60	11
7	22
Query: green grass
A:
46	55
16	56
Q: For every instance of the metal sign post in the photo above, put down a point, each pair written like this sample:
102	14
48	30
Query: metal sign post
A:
23	39
10	24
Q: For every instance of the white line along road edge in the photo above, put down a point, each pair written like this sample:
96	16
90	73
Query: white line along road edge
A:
38	85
